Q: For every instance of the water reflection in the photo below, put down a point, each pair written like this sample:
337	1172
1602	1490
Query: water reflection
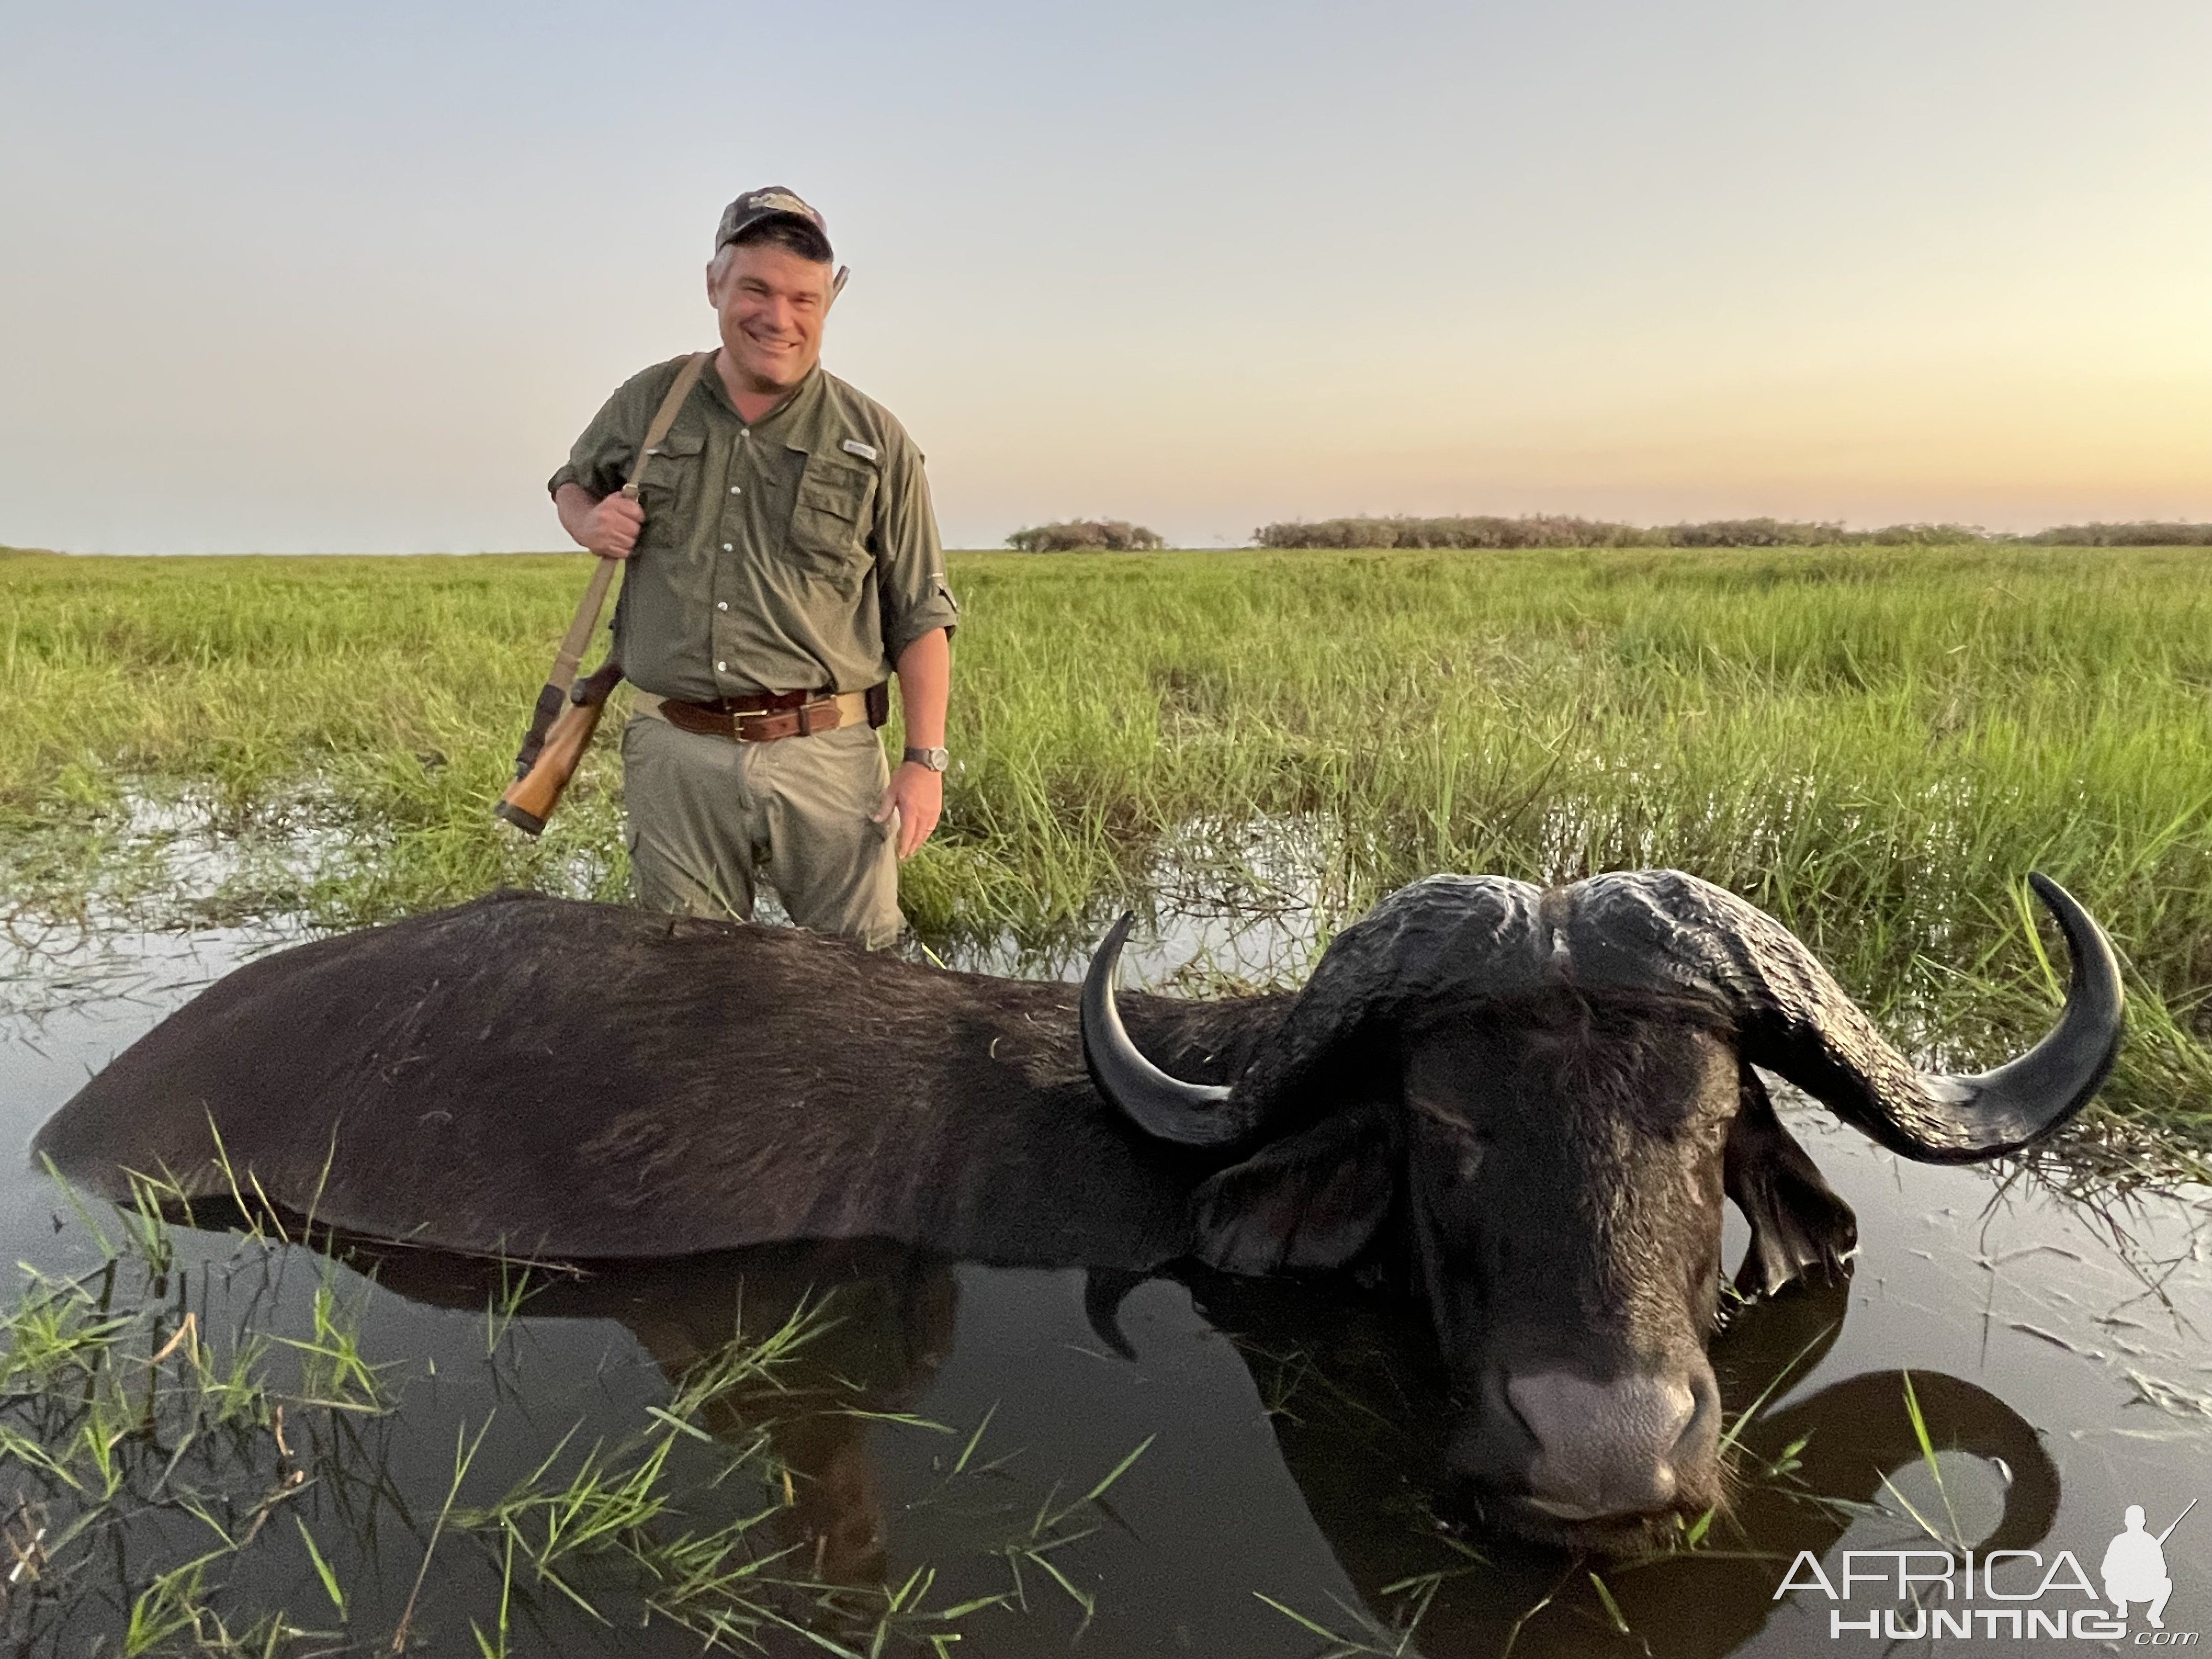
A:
1359	1408
883	1321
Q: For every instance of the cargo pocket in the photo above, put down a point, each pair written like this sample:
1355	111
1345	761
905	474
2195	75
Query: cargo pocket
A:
668	489
830	519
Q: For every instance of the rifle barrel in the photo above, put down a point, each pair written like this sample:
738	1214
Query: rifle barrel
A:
2177	1520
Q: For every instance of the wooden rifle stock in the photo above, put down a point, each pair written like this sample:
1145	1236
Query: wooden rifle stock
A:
530	799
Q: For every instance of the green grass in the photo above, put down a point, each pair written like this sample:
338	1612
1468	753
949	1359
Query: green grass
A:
1874	744
144	1455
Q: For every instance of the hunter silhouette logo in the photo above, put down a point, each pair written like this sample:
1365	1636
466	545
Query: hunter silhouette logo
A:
2133	1569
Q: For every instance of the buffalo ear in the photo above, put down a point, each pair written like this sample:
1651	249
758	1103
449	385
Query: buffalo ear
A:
1315	1198
1798	1223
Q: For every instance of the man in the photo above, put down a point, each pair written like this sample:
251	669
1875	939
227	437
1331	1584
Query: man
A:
2133	1569
783	558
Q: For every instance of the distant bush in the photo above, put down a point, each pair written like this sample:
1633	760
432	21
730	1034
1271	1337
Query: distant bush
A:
1750	532
1087	535
1782	532
1925	535
1545	530
2139	534
1479	531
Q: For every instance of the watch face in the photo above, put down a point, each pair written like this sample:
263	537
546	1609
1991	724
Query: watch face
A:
935	759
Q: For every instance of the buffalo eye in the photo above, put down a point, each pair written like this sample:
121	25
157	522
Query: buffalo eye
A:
1455	1158
1455	1146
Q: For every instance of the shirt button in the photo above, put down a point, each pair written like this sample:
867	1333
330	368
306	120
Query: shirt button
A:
735	491
721	668
729	547
721	604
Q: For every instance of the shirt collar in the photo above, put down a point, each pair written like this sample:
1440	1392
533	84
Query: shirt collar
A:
802	397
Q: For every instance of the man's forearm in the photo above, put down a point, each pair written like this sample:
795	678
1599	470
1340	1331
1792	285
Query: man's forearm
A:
925	676
574	503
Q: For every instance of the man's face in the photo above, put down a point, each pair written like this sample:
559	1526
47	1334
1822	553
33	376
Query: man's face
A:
771	303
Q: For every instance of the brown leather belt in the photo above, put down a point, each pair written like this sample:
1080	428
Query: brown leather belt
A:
768	716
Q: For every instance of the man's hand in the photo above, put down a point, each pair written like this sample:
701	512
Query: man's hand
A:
916	794
608	527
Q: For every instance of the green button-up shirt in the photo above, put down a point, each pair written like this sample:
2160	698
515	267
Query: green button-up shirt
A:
794	553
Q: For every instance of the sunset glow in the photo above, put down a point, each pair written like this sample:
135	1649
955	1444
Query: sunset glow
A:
279	281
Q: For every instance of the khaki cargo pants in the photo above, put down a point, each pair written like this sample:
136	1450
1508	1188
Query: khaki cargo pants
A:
709	819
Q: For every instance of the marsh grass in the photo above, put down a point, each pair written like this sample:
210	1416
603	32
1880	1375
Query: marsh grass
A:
1876	744
144	1452
182	1437
1951	1535
504	1301
631	1522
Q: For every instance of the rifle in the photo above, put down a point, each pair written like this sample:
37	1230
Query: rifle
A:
567	709
2177	1520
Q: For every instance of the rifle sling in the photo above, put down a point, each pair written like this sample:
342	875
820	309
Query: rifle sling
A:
571	653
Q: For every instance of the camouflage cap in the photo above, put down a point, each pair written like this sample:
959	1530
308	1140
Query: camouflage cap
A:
758	206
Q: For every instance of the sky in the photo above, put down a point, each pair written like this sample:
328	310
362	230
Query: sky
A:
318	278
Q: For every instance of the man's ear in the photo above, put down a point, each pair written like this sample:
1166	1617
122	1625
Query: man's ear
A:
1315	1198
1798	1223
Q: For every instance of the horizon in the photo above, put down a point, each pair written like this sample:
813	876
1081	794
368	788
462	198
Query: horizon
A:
324	284
1969	536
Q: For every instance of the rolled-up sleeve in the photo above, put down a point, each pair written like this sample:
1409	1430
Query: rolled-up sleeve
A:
600	460
909	563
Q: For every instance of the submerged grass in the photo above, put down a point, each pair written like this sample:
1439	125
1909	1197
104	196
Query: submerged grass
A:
1874	744
142	1459
146	1447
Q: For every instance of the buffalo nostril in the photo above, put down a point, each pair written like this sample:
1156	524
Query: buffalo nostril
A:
1699	1440
1605	1448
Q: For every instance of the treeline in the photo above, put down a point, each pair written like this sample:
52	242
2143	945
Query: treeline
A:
2143	534
1542	530
1087	536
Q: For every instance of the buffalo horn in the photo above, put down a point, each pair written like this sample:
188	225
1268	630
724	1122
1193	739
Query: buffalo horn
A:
1464	940
1190	1114
1954	1120
1462	937
1794	1020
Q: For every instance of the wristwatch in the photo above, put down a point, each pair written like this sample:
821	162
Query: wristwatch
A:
935	759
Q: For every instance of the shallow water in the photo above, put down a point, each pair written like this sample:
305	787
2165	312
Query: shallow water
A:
2058	1357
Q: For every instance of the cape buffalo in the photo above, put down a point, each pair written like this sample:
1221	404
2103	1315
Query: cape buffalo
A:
1524	1105
1363	1444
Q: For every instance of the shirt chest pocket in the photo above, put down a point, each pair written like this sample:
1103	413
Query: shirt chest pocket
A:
831	518
668	489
